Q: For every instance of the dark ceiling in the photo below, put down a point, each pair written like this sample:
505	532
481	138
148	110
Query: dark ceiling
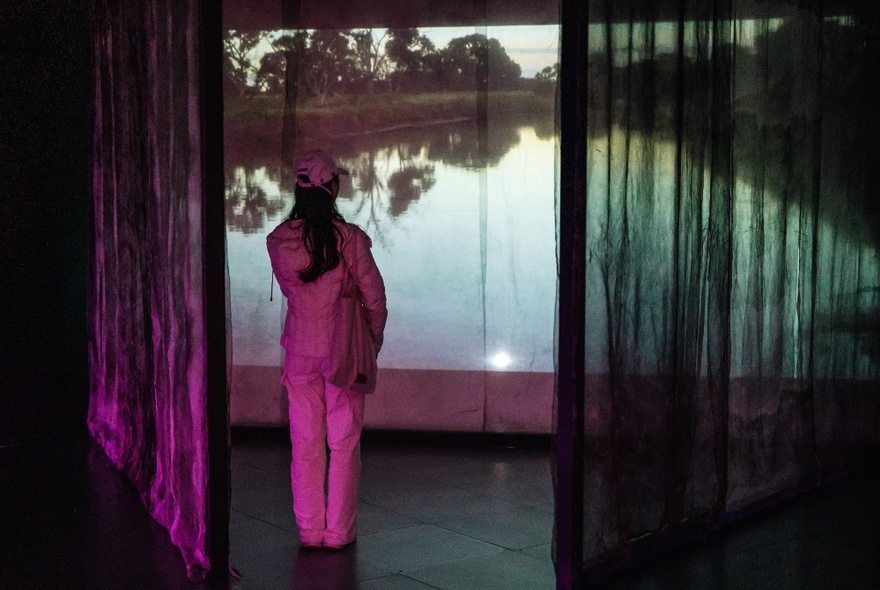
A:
353	14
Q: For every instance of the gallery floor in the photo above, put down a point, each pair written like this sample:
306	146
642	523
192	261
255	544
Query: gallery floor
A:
435	512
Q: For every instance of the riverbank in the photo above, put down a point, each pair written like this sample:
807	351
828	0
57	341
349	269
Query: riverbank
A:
254	128
356	114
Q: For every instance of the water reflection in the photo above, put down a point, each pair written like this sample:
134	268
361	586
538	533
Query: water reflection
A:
858	318
416	194
395	169
414	191
248	204
371	178
654	218
407	184
464	146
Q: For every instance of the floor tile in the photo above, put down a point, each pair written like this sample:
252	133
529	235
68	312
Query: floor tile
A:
827	538
512	528
394	582
433	504
509	570
270	557
421	546
540	551
375	519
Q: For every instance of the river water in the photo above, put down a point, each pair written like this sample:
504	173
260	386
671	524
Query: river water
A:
465	239
464	232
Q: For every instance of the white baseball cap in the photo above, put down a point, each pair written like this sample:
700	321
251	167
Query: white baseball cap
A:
315	168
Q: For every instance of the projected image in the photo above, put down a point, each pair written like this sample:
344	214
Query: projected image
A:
449	138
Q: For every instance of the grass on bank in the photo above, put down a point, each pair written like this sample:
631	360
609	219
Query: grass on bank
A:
379	111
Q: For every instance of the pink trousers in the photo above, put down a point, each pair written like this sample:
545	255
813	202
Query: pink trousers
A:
321	416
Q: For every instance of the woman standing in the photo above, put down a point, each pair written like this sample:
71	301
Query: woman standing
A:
314	254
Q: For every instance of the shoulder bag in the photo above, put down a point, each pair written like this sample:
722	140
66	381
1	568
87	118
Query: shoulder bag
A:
353	355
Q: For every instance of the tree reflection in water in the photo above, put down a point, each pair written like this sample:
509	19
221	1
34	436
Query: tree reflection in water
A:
460	144
413	178
407	184
248	206
389	171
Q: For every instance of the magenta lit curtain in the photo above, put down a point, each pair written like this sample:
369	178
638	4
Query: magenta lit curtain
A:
147	348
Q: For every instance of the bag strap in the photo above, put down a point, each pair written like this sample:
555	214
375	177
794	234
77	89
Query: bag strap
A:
351	270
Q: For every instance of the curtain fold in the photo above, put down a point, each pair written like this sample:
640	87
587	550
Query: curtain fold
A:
733	270
148	401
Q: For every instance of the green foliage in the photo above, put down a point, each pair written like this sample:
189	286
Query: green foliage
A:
413	59
238	66
545	80
327	63
270	77
473	61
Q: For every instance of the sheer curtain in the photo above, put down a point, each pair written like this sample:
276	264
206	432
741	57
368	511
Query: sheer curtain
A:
147	348
732	273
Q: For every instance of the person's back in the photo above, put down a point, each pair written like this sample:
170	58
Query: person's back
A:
313	254
312	306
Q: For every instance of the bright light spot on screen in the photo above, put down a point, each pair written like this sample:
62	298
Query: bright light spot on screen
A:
501	360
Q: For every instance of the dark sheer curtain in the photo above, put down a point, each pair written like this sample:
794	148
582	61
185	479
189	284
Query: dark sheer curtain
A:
148	346
732	271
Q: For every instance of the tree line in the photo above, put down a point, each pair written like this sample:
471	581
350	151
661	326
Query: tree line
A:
326	62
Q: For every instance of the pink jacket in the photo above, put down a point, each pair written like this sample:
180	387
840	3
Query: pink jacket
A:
311	307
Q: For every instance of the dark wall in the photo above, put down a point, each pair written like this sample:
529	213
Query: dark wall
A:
44	215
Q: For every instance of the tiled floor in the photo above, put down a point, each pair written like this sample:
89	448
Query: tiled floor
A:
434	515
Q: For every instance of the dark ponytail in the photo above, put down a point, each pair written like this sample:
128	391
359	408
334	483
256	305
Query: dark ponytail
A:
316	207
